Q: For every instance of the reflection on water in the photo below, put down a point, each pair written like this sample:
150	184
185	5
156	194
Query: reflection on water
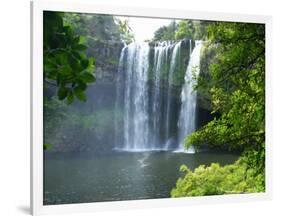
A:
72	178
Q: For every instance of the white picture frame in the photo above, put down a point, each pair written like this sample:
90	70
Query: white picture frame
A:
37	8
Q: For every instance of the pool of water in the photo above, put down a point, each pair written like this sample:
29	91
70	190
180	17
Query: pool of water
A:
84	178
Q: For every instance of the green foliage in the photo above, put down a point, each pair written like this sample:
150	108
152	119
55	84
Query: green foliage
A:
126	32
236	85
46	146
200	29
96	27
165	33
192	29
103	35
65	62
185	30
236	178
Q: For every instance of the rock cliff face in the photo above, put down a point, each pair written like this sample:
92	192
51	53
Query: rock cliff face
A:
106	55
98	110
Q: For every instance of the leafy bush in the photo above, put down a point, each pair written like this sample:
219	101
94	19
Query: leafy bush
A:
236	178
65	62
165	33
185	30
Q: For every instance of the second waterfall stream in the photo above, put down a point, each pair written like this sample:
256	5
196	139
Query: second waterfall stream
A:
155	101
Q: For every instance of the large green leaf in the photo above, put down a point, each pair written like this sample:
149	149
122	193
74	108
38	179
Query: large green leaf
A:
70	97
80	94
87	77
62	92
80	47
65	59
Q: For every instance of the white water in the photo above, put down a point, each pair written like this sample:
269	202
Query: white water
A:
145	105
136	95
186	123
175	55
119	88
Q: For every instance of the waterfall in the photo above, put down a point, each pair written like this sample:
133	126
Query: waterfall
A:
136	98
161	51
175	55
146	104
186	122
119	97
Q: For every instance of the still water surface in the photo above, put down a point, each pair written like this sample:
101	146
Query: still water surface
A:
82	178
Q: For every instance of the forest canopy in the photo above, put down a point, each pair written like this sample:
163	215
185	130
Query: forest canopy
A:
182	30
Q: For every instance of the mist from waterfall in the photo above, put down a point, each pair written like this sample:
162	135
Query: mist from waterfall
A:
145	109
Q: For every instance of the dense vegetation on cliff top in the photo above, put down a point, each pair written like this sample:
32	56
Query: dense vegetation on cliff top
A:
184	29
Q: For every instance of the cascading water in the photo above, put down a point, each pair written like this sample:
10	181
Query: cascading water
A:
119	98
136	97
161	52
175	55
145	97
186	122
